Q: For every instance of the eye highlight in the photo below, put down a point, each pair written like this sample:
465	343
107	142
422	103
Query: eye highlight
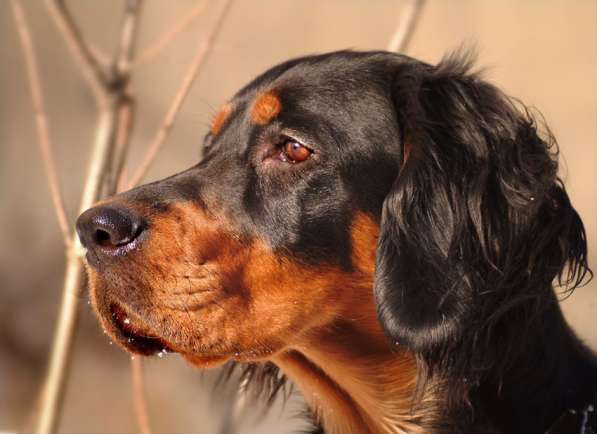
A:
294	152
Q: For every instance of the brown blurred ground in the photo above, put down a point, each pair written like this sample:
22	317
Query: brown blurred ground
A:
544	52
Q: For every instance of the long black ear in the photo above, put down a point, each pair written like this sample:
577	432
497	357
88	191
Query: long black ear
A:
477	224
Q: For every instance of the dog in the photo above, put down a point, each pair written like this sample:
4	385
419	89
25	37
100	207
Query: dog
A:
383	232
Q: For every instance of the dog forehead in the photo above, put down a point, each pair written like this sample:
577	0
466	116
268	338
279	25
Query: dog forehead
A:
330	99
321	76
263	108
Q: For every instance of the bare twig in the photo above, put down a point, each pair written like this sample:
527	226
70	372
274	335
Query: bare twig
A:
126	116
41	119
139	396
126	111
88	63
128	35
407	22
102	58
104	137
55	378
53	390
109	83
125	122
111	95
182	93
154	49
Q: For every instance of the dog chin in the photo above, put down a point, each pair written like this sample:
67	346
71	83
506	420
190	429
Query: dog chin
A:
205	361
133	336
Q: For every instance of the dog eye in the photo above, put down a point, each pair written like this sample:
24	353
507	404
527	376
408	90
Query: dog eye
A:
294	152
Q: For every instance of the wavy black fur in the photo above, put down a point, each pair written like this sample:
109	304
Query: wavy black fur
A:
475	230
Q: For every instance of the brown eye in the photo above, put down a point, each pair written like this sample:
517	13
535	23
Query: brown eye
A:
294	152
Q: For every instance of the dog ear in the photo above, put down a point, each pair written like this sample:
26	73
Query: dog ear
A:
477	224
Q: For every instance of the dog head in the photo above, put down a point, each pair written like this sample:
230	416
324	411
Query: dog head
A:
333	187
272	235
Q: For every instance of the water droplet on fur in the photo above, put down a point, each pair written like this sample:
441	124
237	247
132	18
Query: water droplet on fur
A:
132	357
126	321
111	343
89	302
532	198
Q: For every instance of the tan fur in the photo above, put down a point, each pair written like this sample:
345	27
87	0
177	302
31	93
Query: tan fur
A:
406	152
352	377
364	232
214	296
266	107
220	119
354	390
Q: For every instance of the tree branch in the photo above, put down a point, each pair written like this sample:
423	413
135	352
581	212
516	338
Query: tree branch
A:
407	22
154	49
125	122
55	378
126	117
88	63
103	60
41	120
182	93
139	396
126	111
128	35
111	97
115	122
53	389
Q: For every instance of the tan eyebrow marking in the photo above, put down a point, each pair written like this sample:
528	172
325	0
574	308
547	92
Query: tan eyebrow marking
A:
266	107
220	118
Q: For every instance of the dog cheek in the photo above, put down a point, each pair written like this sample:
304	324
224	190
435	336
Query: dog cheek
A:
364	233
288	298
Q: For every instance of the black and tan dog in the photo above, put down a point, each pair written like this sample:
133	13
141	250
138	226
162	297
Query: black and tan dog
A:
383	231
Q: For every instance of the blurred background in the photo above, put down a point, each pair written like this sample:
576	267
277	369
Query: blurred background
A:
543	52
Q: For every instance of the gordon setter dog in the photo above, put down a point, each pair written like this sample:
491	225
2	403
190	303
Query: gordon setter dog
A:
389	235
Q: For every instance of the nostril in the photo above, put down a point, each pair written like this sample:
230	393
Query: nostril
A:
102	238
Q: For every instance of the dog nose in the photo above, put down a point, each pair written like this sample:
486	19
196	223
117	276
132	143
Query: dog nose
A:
107	228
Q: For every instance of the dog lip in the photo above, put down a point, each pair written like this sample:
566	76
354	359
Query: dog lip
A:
99	256
133	337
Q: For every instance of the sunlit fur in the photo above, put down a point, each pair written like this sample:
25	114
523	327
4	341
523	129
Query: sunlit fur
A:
400	277
475	230
266	107
220	118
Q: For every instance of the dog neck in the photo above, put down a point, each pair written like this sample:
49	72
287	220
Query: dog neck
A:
555	374
354	379
355	382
